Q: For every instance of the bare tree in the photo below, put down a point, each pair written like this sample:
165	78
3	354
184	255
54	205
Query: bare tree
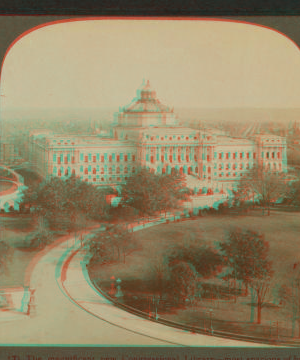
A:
262	185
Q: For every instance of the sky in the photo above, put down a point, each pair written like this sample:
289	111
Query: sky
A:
198	64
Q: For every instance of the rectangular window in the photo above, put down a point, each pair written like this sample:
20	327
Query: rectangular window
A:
102	158
118	158
234	155
273	155
90	157
179	158
81	157
262	154
90	168
254	155
129	156
227	156
66	159
157	157
133	157
215	155
98	157
166	157
86	158
187	158
152	159
113	156
268	155
54	157
162	158
58	160
241	155
208	158
81	168
278	155
73	159
126	157
121	156
182	157
94	158
220	156
170	158
248	155
147	157
105	156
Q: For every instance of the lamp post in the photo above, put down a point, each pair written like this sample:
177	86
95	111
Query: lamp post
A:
119	292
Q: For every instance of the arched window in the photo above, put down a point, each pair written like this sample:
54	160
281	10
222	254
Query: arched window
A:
59	172
94	170
86	171
110	170
190	170
102	170
118	170
196	169
66	172
125	170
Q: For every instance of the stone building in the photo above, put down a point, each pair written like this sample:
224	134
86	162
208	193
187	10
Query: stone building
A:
146	133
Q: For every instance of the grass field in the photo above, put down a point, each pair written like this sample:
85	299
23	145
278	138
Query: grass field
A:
281	230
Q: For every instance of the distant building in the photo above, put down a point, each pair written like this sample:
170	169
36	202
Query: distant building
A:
7	153
146	133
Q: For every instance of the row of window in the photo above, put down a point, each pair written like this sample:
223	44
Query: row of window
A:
88	170
105	178
247	155
174	137
170	158
89	158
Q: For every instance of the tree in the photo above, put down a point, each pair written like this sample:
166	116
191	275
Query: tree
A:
183	280
6	256
63	201
289	295
206	260
263	185
149	192
245	254
112	244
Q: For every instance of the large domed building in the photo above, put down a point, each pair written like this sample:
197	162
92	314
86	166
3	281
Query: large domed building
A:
146	133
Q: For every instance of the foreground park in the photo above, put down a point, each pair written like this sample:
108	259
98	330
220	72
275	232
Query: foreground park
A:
176	271
233	269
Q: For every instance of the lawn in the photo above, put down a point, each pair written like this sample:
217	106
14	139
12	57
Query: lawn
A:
281	230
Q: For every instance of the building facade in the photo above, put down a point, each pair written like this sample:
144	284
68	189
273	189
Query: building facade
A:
146	133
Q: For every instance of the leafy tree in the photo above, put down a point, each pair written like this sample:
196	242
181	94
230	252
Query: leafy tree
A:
206	260
6	255
63	201
183	281
41	238
112	244
289	295
245	254
149	192
262	185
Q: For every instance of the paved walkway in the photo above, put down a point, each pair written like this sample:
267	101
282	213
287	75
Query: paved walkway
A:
57	320
78	287
69	311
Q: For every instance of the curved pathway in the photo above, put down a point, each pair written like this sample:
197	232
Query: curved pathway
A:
56	319
79	288
69	311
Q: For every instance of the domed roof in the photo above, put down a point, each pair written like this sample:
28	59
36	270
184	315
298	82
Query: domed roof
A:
146	101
